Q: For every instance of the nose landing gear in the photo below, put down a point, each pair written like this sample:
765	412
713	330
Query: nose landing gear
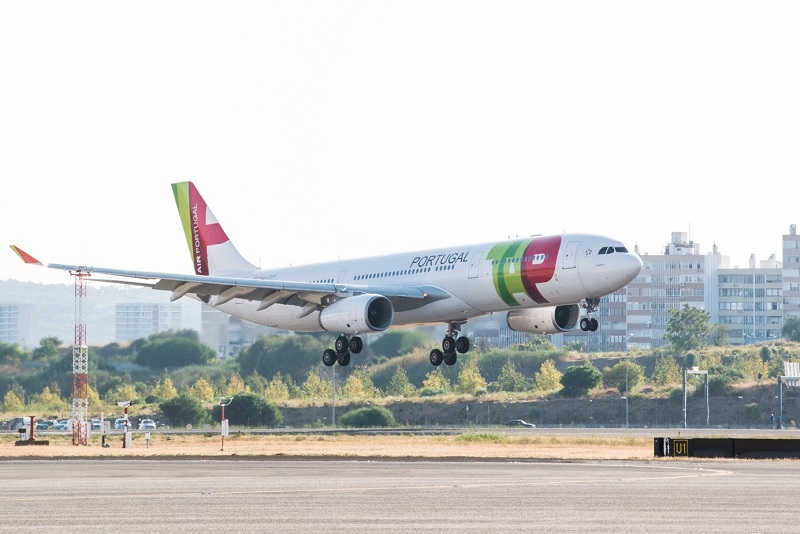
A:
589	323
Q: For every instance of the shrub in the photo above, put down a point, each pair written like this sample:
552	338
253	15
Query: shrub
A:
368	416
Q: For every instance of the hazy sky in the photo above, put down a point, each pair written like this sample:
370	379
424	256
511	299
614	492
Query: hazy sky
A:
324	130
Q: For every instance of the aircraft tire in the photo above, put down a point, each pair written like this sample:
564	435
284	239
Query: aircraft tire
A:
356	344
585	324
462	345
593	324
436	357
329	357
340	345
450	358
343	358
448	344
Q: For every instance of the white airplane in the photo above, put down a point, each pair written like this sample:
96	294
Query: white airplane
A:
542	282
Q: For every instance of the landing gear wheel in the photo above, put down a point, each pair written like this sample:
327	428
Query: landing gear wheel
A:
450	358
356	345
343	359
593	324
341	344
585	324
329	357
448	344
462	345
437	357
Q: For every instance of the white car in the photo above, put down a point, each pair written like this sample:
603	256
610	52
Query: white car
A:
119	424
147	424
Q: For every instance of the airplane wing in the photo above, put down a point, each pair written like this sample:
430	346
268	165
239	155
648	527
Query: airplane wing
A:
222	289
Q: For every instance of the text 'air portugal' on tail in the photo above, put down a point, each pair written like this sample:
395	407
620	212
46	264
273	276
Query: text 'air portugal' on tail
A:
211	250
544	285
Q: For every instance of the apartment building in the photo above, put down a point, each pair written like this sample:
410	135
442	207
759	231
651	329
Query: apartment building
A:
137	321
17	324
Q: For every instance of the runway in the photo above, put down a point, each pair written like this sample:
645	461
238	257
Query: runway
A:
239	495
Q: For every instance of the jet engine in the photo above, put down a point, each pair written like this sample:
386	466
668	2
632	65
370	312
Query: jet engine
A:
549	320
359	314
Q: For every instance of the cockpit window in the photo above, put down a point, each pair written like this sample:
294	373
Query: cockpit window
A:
621	249
603	250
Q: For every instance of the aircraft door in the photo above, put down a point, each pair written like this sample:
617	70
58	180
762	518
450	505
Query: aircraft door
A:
475	263
341	277
570	253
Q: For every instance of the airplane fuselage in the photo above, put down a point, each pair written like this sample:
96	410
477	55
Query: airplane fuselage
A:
480	279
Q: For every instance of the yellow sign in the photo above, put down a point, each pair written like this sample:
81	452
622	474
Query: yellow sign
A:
681	447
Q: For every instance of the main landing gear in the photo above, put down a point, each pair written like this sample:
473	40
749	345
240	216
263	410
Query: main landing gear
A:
341	350
589	323
450	345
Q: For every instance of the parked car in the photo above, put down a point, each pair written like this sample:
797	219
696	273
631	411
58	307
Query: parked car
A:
44	424
147	424
520	423
119	423
95	424
62	424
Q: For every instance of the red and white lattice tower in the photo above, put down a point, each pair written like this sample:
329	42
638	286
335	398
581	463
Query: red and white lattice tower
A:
80	366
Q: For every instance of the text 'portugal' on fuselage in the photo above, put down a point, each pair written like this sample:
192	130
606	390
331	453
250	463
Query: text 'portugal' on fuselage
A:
542	282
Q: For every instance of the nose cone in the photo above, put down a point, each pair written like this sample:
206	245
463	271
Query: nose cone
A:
620	270
631	266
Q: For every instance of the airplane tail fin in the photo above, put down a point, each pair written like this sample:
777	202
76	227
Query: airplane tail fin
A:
211	250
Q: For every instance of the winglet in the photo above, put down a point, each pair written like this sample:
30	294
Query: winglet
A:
24	256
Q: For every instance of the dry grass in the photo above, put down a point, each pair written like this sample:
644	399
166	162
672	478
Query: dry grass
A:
469	445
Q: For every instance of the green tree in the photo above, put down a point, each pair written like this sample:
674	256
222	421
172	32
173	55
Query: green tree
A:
47	351
667	371
548	378
358	386
277	389
124	392
250	410
165	388
624	376
399	385
791	328
183	410
235	385
12	403
688	328
10	353
49	400
315	387
719	336
512	380
162	352
470	379
435	383
202	389
577	380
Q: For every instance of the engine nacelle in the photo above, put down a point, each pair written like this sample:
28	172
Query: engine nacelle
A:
549	320
359	314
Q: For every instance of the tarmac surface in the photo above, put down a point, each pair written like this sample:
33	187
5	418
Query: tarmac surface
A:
324	495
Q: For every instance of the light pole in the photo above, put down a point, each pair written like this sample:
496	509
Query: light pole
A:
224	401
